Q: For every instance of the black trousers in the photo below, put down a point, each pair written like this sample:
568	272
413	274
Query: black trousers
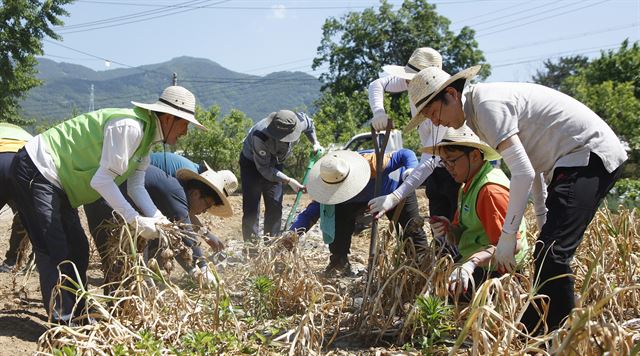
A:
55	232
574	196
346	213
442	192
254	187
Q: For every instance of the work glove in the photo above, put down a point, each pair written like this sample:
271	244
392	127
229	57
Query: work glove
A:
161	219
295	185
505	255
380	205
406	173
459	278
214	242
317	148
205	274
146	227
540	220
379	121
439	226
289	239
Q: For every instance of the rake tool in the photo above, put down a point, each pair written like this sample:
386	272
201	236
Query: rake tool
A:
313	157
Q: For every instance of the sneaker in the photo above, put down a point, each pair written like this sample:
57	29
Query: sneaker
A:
339	266
6	268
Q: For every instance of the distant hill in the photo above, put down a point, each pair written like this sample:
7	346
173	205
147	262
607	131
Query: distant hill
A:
67	88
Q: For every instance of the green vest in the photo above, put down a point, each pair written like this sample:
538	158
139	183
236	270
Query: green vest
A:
76	148
474	238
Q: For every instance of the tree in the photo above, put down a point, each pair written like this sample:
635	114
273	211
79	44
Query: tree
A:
360	43
356	47
555	73
221	143
23	26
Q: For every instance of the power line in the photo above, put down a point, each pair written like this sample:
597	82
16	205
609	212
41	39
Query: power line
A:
555	55
139	20
563	38
542	19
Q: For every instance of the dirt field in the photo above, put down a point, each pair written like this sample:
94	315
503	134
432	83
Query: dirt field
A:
22	317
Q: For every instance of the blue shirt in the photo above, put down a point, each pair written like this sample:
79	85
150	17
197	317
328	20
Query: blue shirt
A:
173	163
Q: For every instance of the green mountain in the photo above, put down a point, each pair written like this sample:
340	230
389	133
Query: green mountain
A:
66	89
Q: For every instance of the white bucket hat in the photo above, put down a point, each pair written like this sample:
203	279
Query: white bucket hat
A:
462	137
177	101
338	177
420	59
224	183
427	84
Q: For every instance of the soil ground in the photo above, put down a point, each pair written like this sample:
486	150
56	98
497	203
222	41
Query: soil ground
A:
22	316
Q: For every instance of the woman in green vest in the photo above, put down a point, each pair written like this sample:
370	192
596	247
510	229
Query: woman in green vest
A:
79	161
482	207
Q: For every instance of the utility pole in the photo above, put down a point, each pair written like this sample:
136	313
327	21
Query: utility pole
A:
91	107
175	79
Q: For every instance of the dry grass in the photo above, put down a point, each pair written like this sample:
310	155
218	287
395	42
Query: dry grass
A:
275	301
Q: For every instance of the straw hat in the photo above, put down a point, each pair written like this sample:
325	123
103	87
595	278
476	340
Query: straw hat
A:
224	183
462	137
338	177
427	84
177	101
284	126
420	59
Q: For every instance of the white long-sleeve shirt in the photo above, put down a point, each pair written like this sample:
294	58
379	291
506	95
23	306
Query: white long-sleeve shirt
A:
121	139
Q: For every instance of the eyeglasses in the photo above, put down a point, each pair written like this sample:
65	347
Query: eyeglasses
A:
450	162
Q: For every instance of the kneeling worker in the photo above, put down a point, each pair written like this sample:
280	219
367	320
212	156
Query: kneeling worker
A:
341	183
482	207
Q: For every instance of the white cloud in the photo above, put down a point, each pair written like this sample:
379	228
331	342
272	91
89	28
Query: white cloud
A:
279	11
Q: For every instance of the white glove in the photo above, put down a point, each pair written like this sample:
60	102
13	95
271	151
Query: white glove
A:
540	220
146	227
380	205
406	173
505	255
295	185
459	278
379	121
439	225
317	147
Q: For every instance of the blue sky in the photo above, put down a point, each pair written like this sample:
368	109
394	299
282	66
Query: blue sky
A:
259	37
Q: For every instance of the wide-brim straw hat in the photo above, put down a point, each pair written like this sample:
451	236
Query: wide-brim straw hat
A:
427	84
177	101
420	59
284	126
338	177
224	183
462	137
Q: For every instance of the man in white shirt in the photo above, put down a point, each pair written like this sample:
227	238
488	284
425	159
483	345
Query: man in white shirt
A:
440	188
544	136
79	161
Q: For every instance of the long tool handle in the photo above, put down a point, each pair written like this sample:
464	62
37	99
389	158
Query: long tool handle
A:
379	152
313	157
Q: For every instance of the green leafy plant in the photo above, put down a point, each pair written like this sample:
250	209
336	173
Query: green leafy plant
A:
263	296
434	321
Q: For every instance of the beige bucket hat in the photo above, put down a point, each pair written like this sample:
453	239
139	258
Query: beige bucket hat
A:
338	177
462	137
177	101
427	84
224	183
420	59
